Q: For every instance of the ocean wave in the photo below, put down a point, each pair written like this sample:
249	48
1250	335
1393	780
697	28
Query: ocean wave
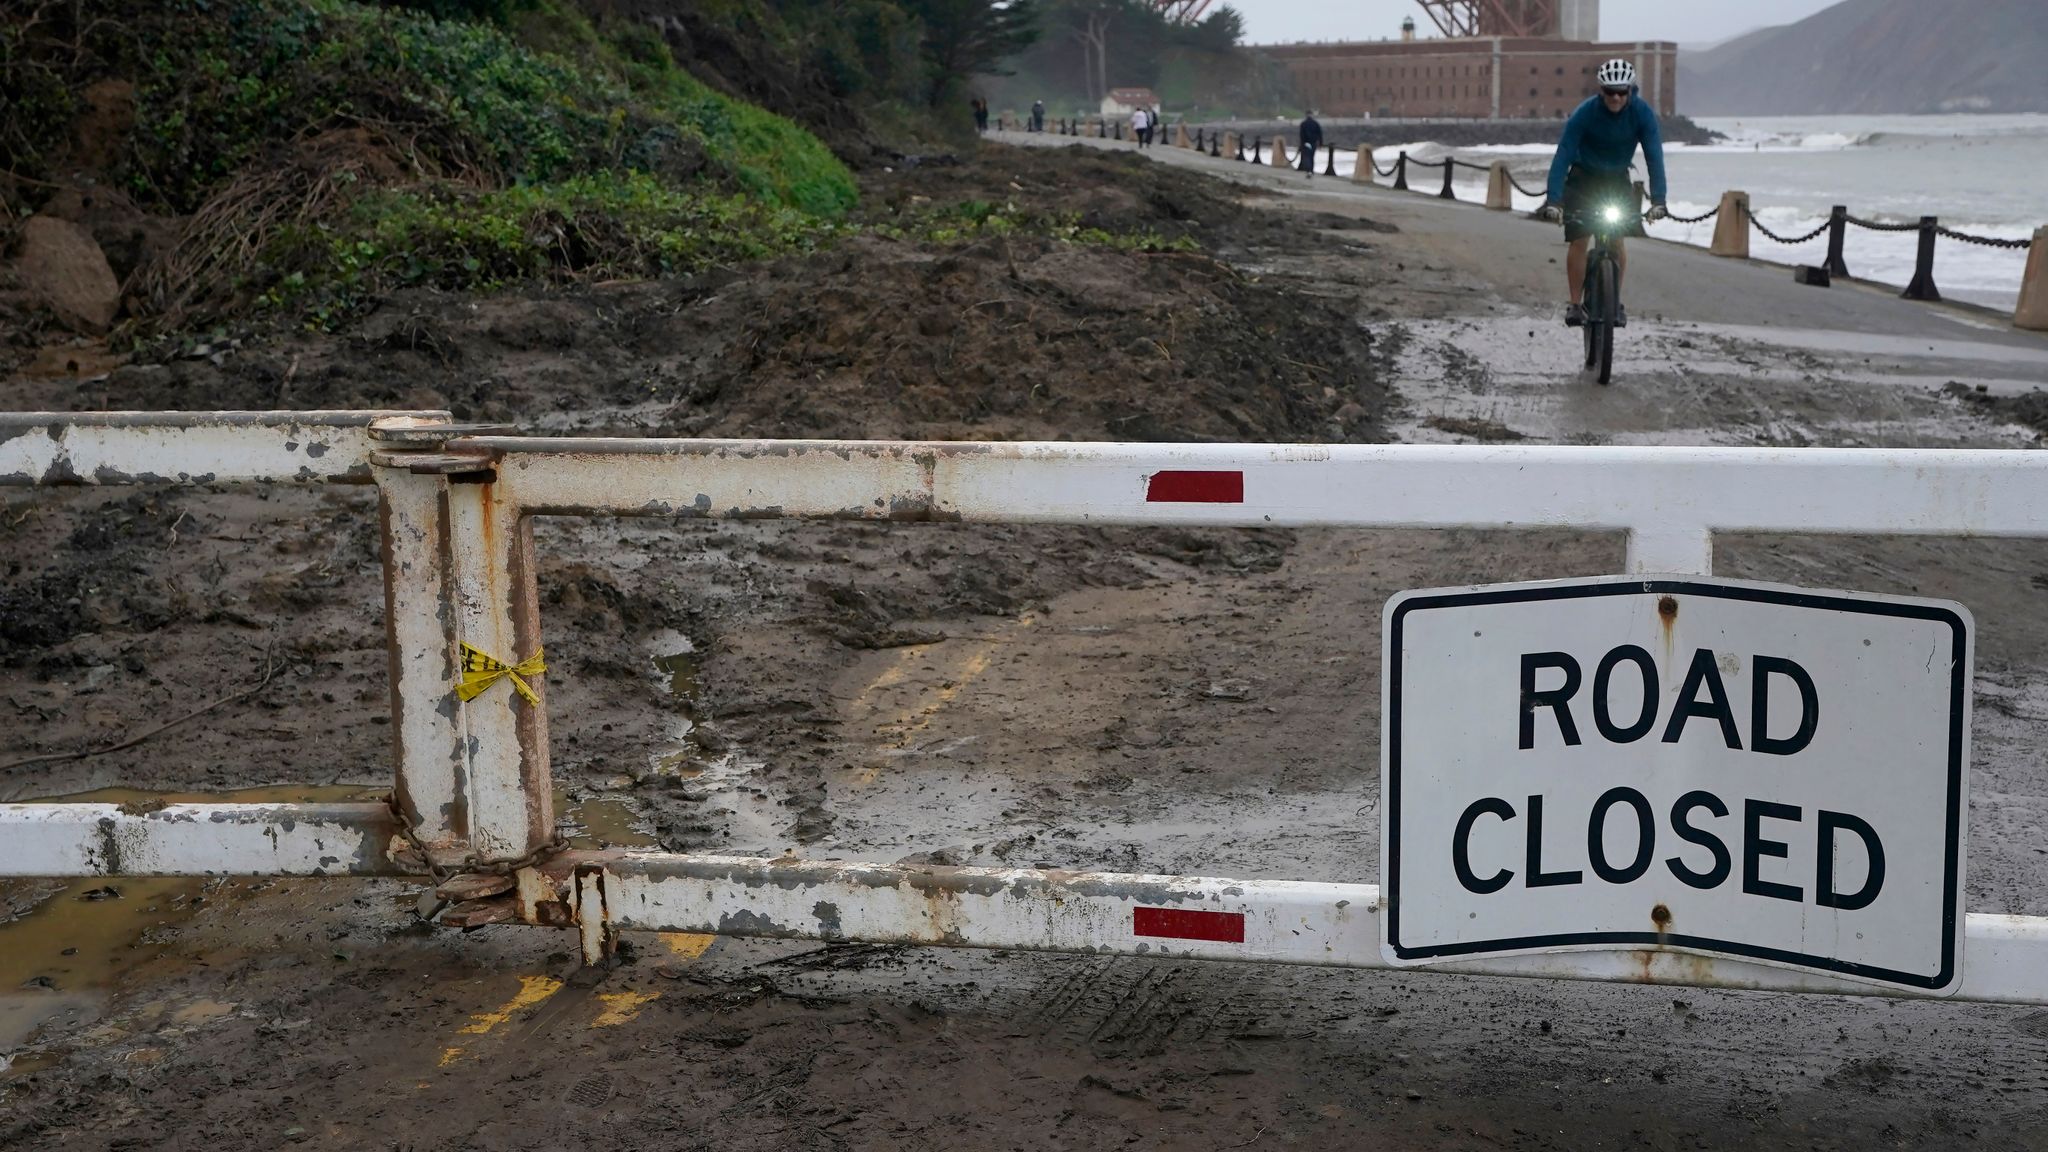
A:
1799	141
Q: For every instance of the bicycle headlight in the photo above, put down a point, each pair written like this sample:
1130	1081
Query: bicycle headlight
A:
1612	214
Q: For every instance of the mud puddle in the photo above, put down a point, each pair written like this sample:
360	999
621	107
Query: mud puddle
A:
1514	378
67	944
73	940
1864	346
746	810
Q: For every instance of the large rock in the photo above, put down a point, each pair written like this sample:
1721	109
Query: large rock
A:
60	265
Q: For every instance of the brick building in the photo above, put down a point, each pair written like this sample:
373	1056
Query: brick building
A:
1491	77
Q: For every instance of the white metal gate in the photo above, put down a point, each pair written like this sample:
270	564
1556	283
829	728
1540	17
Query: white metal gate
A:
473	790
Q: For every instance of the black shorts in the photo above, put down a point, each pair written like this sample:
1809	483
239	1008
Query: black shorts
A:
1587	191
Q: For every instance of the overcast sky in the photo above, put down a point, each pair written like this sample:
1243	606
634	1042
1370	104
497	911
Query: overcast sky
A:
1281	21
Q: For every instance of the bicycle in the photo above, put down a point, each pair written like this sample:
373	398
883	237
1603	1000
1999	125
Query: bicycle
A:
1603	284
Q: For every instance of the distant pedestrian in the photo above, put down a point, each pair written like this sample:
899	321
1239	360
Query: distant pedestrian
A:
1311	139
1038	115
1141	127
980	114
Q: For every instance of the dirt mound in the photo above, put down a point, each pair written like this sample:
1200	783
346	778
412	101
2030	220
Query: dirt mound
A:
1113	191
61	267
1017	340
897	334
1022	338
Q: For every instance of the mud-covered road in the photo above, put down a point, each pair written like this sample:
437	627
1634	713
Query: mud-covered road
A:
1143	701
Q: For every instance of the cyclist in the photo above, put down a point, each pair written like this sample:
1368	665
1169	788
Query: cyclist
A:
1591	171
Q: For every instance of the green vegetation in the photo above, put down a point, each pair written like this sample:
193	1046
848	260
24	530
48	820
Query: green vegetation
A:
591	227
323	152
224	82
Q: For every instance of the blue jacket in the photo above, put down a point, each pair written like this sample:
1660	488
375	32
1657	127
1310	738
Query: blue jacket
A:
1602	141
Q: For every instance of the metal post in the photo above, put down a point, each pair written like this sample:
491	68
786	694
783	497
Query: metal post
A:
1329	161
1401	173
419	613
1922	287
498	612
1838	230
1216	145
1256	158
1450	170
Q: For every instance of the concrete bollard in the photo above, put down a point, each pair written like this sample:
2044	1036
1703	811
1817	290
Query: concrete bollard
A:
1731	227
1233	145
1279	159
1363	172
1180	136
2032	313
1500	189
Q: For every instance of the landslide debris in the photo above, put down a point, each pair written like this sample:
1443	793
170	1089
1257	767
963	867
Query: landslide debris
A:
986	299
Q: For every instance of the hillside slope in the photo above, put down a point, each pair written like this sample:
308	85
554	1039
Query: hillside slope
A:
1880	56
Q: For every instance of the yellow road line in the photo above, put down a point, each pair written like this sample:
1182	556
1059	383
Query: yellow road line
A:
620	1007
686	945
532	990
899	665
899	732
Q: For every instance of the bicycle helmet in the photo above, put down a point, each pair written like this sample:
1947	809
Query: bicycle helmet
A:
1617	74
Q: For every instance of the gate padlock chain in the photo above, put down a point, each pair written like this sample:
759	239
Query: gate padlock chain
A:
470	865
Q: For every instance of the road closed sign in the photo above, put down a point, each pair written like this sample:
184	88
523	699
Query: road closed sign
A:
1763	773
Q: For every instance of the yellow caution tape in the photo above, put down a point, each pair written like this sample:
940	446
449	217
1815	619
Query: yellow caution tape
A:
480	671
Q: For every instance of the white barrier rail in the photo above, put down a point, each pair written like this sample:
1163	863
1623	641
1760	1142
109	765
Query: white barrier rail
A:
473	787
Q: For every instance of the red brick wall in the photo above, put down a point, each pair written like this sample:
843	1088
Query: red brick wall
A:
1539	79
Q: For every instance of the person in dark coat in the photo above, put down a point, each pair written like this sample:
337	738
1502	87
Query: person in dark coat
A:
1038	115
1311	139
980	114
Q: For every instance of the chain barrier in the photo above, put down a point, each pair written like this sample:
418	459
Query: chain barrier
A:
1761	227
2021	244
1874	226
1986	241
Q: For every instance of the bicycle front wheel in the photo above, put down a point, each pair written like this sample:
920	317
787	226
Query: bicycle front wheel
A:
1610	309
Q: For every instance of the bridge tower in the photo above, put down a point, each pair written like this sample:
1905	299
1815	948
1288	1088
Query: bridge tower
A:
1542	19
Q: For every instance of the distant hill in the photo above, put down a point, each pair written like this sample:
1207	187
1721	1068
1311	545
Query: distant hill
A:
1879	56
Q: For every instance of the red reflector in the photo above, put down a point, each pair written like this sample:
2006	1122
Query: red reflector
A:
1180	924
1195	488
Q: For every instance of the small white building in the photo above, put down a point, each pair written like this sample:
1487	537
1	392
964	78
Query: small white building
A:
1124	101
